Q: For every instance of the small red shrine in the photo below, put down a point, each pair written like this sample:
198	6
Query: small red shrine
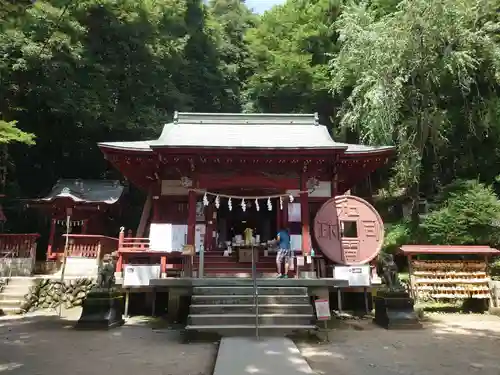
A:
84	205
210	177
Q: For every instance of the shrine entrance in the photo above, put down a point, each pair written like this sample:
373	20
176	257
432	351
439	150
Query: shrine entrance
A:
232	222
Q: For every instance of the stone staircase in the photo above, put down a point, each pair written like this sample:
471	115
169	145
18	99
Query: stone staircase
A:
217	265
230	310
12	295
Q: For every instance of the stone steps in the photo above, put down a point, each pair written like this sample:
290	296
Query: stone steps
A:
12	296
234	299
250	309
231	310
273	319
248	290
227	330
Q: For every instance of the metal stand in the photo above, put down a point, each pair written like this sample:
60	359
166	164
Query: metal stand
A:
255	294
127	299
365	292
201	265
339	300
153	307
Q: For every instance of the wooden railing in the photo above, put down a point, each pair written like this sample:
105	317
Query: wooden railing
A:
20	245
90	245
130	244
130	247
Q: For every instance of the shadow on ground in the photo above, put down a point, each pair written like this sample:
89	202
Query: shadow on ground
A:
448	344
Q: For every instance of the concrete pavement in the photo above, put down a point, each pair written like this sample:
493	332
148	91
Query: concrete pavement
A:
270	355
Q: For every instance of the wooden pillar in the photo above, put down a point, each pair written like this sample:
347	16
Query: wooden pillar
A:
209	227
284	214
146	213
85	226
156	210
119	262
191	217
51	238
335	179
304	214
279	215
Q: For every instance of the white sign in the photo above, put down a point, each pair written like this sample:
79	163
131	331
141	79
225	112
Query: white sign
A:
300	261
294	215
179	237
160	237
134	275
296	242
356	275
322	309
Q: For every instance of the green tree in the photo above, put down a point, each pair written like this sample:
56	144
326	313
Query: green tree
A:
467	213
9	133
101	70
409	76
290	49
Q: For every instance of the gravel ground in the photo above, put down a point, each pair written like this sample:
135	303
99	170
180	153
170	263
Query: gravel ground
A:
43	344
449	345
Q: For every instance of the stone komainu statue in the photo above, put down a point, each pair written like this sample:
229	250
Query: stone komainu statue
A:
388	271
106	275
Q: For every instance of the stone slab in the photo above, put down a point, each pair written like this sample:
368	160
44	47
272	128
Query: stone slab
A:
267	356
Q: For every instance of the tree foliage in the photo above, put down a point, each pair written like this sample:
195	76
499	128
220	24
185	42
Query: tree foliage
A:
468	213
409	76
419	74
10	133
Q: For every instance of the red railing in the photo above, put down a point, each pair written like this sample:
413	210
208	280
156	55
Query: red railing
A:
90	245
132	247
21	245
127	243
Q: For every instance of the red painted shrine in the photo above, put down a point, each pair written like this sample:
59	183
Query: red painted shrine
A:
219	181
86	206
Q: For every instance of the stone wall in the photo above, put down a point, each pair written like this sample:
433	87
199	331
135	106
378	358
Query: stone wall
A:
50	293
17	266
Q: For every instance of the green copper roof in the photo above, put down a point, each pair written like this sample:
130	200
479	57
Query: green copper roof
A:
88	191
248	131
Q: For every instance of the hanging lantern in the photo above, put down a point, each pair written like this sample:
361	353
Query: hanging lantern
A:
281	203
257	207
243	205
230	204
291	198
217	202
205	200
269	204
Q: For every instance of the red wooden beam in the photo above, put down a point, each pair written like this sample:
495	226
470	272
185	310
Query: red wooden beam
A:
250	180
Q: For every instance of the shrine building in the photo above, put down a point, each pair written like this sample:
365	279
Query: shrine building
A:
220	183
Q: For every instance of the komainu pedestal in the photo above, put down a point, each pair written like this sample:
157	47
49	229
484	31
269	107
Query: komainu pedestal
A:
395	310
101	310
103	306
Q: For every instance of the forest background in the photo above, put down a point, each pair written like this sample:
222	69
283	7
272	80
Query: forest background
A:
423	75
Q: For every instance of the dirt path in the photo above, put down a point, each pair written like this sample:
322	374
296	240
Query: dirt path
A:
41	345
450	345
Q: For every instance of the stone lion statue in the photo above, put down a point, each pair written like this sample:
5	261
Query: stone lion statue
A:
106	274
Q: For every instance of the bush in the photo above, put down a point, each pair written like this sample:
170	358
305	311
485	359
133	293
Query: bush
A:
396	235
466	213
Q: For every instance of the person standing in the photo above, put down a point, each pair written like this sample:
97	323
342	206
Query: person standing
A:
284	253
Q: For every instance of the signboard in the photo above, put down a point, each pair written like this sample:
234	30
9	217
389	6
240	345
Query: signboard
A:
160	237
356	275
322	309
179	236
135	275
294	215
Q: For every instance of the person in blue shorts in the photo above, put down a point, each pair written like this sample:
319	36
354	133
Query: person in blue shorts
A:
284	252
